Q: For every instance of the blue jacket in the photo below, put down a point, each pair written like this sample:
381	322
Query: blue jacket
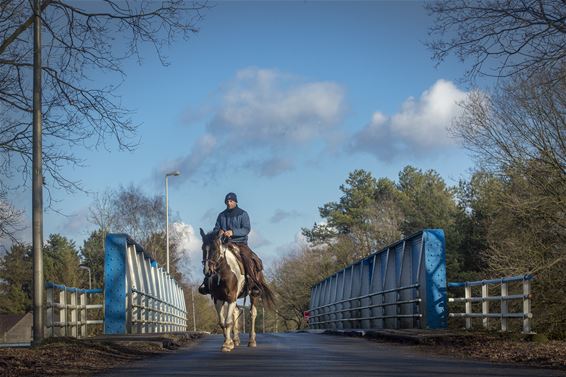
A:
236	220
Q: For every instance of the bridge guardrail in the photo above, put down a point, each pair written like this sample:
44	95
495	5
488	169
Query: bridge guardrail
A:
400	286
140	297
67	312
485	299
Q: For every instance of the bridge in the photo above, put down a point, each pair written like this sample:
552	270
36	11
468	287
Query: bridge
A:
401	287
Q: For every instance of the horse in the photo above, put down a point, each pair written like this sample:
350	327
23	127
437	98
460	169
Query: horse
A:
227	282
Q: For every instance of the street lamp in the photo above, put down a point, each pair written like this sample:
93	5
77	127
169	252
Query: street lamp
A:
89	276
173	173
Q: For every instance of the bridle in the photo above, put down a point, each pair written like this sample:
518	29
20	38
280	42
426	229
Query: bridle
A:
211	261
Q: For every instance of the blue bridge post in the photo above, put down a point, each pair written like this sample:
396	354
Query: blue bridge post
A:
115	321
436	301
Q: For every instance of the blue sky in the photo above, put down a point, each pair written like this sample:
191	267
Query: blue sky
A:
278	102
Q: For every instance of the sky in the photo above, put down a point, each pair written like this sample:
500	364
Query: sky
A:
277	102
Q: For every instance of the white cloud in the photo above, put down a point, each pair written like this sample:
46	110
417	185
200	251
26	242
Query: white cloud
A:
76	225
419	127
202	150
256	240
189	249
272	258
281	215
298	243
270	167
263	114
209	217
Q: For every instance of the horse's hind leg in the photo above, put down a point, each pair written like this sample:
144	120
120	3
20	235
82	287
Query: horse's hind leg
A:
236	328
253	315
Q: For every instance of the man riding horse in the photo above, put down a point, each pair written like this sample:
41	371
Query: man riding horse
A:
233	225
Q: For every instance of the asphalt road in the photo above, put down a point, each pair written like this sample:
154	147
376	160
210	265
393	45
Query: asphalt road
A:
304	354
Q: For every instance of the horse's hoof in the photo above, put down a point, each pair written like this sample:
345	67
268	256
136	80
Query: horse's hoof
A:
236	342
252	344
227	347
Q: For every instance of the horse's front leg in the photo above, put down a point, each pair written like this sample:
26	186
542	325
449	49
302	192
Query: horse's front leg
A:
221	311
253	315
236	328
228	311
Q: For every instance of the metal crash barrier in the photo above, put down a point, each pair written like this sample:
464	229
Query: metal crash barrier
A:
502	301
400	286
68	311
140	297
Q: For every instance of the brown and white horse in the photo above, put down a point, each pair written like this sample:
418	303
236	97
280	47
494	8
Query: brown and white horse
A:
227	283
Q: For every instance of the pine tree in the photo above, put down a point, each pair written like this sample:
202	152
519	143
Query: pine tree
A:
16	279
92	256
61	261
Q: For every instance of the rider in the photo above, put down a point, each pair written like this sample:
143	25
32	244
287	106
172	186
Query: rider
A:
233	221
233	224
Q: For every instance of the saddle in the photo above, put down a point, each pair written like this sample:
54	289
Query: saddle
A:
250	263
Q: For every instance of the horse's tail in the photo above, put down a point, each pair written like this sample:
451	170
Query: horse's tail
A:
267	296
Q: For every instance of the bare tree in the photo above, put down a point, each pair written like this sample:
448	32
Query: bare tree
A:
501	37
10	218
79	39
129	210
292	278
523	124
101	211
519	133
137	214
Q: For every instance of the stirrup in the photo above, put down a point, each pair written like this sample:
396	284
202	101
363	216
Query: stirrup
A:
203	289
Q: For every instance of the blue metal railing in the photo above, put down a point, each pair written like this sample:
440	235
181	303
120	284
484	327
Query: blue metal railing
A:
400	286
72	289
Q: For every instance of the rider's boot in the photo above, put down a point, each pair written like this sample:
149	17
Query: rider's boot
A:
203	289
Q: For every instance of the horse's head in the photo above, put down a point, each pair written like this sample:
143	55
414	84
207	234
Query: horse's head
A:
212	251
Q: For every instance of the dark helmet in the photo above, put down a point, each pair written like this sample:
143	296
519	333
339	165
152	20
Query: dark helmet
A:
232	196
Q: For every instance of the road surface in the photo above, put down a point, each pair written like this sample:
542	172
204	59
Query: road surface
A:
304	354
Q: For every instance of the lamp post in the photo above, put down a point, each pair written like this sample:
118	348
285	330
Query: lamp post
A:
173	173
37	181
89	276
